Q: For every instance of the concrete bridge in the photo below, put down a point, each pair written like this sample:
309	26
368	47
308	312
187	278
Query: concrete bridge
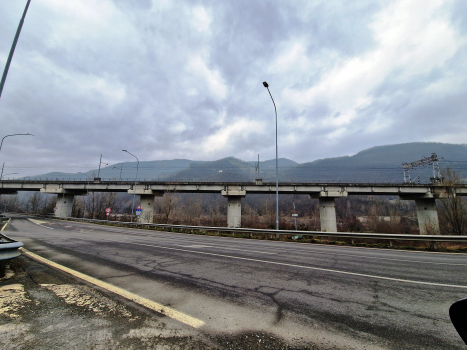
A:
424	195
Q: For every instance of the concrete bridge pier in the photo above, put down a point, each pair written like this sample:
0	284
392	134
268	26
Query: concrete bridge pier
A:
234	206
327	208
327	214
427	216
147	209
147	203
64	205
65	199
427	213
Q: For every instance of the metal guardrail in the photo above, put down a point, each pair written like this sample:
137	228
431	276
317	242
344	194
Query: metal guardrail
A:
383	236
9	248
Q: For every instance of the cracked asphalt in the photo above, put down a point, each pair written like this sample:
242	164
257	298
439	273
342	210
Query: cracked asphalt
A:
249	294
42	308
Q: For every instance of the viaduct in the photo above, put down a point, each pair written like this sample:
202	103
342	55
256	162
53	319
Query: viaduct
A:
424	195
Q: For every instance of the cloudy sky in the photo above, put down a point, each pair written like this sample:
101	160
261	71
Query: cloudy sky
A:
183	79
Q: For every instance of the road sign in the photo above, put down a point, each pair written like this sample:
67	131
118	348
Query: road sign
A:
108	210
295	215
55	209
138	210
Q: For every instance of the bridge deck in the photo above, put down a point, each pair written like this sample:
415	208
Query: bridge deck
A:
147	187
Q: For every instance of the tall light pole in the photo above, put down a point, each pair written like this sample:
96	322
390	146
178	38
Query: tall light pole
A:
121	168
4	137
136	178
12	50
266	85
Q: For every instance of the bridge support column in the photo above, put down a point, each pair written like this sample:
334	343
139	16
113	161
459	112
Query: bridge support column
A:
327	214
327	207
147	209
234	211
64	205
147	203
427	216
234	206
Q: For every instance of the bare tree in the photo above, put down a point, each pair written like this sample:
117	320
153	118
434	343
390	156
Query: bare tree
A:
34	202
167	204
453	209
192	210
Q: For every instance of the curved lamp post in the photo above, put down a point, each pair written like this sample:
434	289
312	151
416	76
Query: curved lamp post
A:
13	46
266	85
1	144
136	179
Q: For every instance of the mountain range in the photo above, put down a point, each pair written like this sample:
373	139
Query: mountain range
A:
374	165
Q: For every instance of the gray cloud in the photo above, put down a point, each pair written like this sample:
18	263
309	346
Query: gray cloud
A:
184	80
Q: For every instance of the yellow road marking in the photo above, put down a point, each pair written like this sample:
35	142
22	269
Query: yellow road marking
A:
5	224
40	223
165	310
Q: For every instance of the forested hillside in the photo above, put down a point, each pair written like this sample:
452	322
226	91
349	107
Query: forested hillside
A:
376	164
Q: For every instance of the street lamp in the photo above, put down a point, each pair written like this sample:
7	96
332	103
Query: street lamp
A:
136	178
121	168
13	135
13	46
266	85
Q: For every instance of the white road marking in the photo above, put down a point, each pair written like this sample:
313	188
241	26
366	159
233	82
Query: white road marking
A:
222	247
329	253
307	267
165	310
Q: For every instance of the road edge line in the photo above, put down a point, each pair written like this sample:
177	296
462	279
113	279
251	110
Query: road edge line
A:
165	310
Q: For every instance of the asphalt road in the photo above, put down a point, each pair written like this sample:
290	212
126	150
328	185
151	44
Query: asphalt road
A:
307	295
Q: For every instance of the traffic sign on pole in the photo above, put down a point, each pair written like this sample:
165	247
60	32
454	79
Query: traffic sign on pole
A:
138	210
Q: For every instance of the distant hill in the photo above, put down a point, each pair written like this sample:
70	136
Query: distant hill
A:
376	164
381	164
146	170
223	170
